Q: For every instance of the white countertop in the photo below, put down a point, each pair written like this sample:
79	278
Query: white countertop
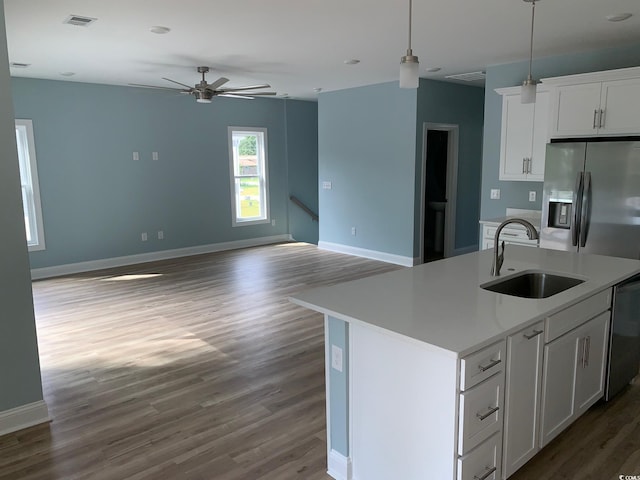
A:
442	305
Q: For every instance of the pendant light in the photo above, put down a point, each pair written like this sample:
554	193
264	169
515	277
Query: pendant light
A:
409	63
528	90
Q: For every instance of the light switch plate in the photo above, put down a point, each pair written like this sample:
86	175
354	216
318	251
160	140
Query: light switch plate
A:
136	156
495	194
154	155
336	358
532	196
326	185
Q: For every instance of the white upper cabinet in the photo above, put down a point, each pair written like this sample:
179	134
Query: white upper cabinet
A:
524	135
595	104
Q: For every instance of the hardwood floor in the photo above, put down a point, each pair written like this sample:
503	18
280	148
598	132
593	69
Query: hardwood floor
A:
199	368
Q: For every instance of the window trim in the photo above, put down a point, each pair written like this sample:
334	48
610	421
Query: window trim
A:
35	184
235	222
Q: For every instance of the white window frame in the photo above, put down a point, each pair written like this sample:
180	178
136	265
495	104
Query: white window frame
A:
30	185
262	174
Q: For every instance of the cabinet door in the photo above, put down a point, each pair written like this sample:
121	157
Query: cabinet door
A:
522	397
592	360
620	103
558	385
575	110
517	131
540	137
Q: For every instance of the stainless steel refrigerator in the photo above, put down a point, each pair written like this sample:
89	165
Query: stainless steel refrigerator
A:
591	204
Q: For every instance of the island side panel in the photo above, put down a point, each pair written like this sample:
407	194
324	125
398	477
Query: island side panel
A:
403	404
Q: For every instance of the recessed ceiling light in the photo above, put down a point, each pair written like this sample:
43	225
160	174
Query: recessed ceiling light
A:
79	20
284	95
19	65
67	74
432	69
352	61
317	89
618	17
159	29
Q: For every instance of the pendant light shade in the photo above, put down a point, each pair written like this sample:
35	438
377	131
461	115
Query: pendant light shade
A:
529	86
409	64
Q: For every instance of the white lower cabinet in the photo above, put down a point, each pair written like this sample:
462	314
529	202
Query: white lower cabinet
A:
573	378
483	463
522	397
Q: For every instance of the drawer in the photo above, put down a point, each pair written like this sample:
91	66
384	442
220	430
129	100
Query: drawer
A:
481	365
507	233
574	316
480	413
489	243
484	462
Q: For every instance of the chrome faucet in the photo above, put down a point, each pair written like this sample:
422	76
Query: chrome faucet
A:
498	259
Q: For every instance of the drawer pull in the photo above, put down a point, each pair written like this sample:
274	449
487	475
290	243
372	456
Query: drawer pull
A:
493	363
534	334
486	475
507	234
488	414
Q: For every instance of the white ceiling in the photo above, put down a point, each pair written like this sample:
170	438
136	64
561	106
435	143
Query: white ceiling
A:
298	45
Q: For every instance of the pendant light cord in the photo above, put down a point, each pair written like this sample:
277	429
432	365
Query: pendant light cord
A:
533	16
409	49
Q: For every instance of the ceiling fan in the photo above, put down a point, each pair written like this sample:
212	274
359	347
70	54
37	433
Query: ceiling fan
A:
204	91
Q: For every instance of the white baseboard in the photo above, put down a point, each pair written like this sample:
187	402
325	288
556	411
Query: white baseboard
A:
23	417
339	466
465	250
371	254
70	268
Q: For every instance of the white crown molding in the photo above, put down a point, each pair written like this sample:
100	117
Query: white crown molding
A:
71	268
23	417
594	77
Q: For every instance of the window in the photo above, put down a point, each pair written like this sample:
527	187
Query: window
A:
29	182
249	185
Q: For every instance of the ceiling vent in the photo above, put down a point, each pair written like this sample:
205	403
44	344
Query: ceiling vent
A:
79	20
468	77
19	65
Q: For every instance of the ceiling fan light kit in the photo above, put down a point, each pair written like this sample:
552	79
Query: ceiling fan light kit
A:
529	86
204	92
409	64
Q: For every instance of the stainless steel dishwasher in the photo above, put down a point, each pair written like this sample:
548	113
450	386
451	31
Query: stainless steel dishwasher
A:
624	343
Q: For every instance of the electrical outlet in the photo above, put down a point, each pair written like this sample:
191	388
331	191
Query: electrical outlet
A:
143	236
532	196
336	358
495	194
326	185
160	235
353	231
154	155
273	223
136	156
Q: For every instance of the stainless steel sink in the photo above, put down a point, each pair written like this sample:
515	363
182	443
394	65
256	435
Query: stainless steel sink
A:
532	285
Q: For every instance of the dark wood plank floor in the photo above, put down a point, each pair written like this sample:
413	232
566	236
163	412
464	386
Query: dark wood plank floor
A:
199	368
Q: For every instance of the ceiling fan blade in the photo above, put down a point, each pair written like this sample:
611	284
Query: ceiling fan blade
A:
232	95
218	83
257	94
153	86
173	81
248	87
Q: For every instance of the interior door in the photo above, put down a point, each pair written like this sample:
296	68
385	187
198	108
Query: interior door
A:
613	202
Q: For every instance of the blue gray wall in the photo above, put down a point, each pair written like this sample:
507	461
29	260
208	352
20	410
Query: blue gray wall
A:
515	194
366	147
302	152
370	148
462	105
96	200
19	365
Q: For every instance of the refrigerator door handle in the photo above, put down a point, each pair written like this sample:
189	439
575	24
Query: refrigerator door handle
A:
577	202
584	220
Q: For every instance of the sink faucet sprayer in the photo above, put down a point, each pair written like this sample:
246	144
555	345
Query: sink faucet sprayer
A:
532	233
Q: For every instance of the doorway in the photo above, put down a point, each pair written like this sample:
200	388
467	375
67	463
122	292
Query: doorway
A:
439	181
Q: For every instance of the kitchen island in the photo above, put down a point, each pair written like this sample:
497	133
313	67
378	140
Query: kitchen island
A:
418	362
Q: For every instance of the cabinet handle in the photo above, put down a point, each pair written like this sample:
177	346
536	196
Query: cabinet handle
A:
524	165
533	335
595	116
587	342
493	363
491	411
583	355
601	119
507	234
529	165
487	474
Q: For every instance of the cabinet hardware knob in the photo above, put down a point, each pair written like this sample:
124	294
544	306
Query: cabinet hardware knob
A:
533	335
482	416
493	363
487	474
